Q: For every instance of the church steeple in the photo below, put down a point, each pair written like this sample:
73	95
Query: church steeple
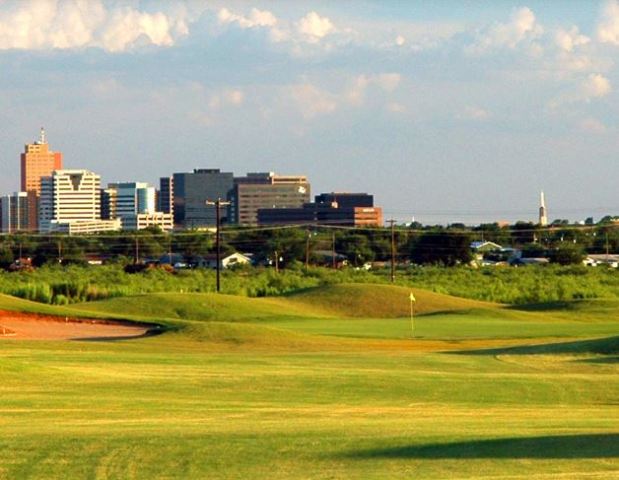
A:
543	218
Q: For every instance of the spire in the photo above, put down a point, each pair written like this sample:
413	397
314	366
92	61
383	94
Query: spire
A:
42	136
543	217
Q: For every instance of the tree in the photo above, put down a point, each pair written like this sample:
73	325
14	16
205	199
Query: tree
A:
356	247
442	247
567	254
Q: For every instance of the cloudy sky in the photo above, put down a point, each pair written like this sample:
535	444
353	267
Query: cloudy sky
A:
459	111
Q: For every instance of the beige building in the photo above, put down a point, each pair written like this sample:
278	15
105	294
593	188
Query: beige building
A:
266	190
140	221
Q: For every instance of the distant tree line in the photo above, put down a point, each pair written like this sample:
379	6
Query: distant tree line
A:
561	243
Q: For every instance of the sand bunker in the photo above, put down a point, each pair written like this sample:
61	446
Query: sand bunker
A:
20	326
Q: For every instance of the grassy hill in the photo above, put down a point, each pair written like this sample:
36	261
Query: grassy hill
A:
345	300
380	301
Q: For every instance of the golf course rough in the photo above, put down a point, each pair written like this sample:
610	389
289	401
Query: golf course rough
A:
324	384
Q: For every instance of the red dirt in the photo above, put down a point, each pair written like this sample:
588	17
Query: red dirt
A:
25	326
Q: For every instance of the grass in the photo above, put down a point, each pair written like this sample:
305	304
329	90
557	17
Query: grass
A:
324	384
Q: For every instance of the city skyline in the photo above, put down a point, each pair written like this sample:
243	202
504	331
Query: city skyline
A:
448	113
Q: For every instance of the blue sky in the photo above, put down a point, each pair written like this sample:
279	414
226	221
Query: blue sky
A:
446	111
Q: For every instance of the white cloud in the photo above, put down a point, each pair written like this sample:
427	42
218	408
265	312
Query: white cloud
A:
226	97
314	27
595	86
42	24
567	40
521	27
387	82
256	18
608	28
312	101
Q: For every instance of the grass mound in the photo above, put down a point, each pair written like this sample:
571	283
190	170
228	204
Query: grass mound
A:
588	306
598	346
379	301
253	336
198	306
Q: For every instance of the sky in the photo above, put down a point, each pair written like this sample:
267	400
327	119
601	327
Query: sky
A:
451	111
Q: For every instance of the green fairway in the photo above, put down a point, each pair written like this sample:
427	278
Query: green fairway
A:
323	384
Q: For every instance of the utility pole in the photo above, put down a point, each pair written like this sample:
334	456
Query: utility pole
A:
136	258
59	250
333	262
607	249
392	223
276	261
307	249
218	204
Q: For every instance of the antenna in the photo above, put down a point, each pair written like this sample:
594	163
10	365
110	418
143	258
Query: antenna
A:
42	138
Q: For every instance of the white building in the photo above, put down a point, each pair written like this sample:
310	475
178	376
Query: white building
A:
165	221
72	198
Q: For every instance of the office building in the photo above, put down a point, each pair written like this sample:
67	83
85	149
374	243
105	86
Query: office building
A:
71	202
85	227
192	190
166	195
108	203
15	212
266	190
339	209
140	221
346	200
36	162
124	199
322	214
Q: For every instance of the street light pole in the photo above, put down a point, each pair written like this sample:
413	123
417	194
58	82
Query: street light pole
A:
218	204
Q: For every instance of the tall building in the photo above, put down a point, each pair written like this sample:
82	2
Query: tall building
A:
108	203
15	212
71	202
134	204
266	190
166	195
543	216
37	161
192	190
124	199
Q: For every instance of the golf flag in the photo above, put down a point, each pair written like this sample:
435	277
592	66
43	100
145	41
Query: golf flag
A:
412	297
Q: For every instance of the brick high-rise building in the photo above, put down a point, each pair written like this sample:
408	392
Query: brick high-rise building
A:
37	161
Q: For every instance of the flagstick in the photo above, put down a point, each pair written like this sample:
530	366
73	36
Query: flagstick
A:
412	322
412	298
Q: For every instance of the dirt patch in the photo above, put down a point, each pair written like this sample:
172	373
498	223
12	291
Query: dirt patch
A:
25	326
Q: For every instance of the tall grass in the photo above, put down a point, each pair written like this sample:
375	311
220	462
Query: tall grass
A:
60	285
